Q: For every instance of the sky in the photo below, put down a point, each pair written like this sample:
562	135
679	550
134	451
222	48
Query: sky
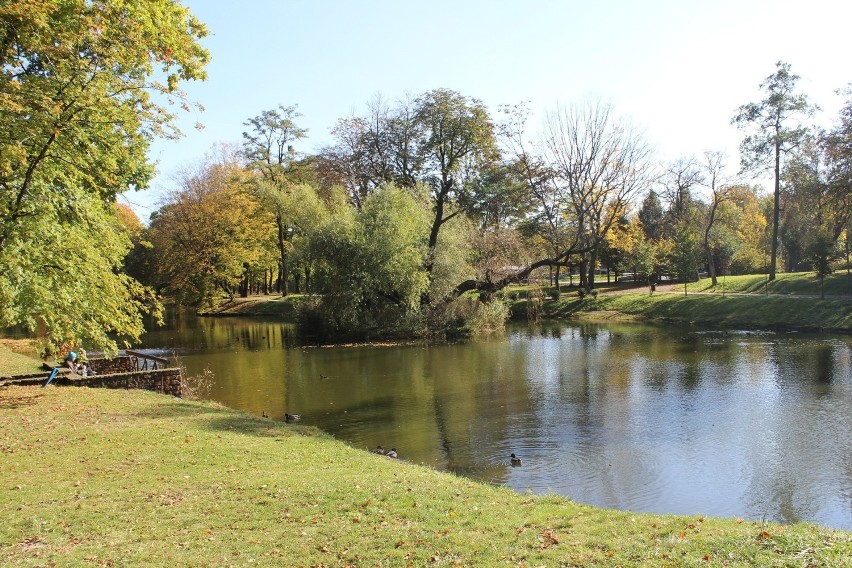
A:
678	69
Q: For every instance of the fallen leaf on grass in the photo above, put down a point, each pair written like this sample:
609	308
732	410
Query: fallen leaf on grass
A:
548	538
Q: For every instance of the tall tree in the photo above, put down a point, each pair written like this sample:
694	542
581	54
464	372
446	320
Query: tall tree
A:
600	163
209	231
76	85
440	138
585	171
839	156
457	139
837	148
548	221
712	178
678	182
685	255
775	132
651	216
268	146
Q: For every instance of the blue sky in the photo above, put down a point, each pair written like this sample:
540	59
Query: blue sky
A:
679	69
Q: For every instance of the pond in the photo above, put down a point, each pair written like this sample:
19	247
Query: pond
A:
628	416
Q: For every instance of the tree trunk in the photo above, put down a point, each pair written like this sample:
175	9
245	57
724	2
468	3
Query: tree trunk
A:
245	285
776	211
558	267
711	266
282	252
436	227
590	282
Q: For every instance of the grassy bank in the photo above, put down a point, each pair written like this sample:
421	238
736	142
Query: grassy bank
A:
276	306
792	302
128	478
802	283
18	357
733	311
789	301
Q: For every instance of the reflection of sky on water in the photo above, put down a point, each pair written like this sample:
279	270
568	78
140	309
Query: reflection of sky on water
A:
624	416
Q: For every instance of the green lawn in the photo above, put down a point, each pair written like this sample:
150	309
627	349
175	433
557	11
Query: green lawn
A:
740	311
267	306
17	357
126	478
795	283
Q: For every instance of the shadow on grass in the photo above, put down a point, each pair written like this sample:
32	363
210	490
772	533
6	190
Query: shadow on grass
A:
175	409
262	427
10	400
220	418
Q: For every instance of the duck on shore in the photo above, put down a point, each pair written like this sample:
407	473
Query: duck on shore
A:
378	450
392	453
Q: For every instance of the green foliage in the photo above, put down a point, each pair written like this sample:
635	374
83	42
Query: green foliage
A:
686	254
372	265
823	251
208	233
768	121
453	258
647	259
64	280
76	79
651	216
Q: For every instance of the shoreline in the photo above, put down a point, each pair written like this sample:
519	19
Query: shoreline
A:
135	478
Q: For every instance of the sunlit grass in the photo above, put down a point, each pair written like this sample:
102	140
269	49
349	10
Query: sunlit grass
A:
802	283
271	305
18	357
742	311
128	478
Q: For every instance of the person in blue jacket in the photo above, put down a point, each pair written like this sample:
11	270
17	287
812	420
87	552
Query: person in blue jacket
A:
71	361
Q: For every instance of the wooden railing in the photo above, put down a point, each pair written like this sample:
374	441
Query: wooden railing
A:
145	362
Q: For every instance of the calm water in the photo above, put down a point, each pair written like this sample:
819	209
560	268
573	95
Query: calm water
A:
626	416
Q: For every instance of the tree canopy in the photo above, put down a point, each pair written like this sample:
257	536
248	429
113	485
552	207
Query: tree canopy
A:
82	87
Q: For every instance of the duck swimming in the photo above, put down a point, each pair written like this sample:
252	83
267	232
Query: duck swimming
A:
292	417
514	460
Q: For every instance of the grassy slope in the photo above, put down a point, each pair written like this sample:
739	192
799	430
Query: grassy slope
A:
792	302
17	357
269	305
749	312
786	306
801	283
128	478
